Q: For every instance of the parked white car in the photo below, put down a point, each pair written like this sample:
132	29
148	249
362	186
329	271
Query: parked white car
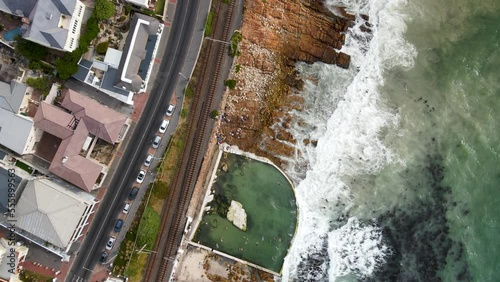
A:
170	109
141	176
163	126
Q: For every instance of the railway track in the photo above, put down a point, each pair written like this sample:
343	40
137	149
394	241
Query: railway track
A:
173	213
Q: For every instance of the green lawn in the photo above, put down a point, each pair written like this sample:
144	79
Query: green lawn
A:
24	167
209	25
160	4
148	228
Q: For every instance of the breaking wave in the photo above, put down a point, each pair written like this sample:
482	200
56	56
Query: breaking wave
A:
347	117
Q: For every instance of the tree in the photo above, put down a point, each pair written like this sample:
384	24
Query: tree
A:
68	64
103	9
41	83
30	50
102	47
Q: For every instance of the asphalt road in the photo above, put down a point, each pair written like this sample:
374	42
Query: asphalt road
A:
139	143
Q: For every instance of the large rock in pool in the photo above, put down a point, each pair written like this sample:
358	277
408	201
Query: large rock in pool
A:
237	215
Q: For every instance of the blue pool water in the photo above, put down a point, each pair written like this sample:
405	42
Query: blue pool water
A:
11	34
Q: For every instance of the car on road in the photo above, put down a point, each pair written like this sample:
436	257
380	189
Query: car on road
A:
163	126
126	208
118	225
148	160
110	243
133	193
170	109
156	141
103	257
141	176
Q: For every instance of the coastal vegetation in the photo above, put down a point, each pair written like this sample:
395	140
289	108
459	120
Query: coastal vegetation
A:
231	83
214	114
235	41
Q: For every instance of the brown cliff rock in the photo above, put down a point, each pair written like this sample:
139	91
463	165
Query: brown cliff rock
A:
276	34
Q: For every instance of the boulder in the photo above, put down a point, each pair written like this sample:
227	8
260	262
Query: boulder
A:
237	215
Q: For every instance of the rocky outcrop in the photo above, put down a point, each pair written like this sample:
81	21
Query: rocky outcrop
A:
237	215
276	34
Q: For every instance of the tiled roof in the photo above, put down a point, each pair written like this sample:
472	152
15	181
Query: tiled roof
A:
87	117
49	211
53	120
100	120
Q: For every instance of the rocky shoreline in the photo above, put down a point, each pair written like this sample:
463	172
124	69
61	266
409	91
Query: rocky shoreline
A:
275	35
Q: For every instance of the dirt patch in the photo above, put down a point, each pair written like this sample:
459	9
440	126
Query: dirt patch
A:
199	264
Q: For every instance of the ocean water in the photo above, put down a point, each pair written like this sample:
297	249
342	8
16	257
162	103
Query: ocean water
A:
404	183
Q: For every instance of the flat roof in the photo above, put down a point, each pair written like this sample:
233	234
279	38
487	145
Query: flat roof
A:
138	51
113	57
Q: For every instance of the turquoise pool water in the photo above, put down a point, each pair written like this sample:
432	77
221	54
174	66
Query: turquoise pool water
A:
269	201
11	34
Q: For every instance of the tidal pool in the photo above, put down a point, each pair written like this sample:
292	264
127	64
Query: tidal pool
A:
269	201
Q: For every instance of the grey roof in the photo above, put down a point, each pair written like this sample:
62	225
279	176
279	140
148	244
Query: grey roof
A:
81	74
11	95
14	130
108	82
85	63
50	212
4	177
138	53
150	46
17	7
44	19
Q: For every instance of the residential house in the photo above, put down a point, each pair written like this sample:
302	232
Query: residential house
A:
52	23
78	124
123	73
52	216
16	129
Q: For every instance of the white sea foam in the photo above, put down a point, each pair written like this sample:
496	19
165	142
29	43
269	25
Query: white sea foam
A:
346	115
355	248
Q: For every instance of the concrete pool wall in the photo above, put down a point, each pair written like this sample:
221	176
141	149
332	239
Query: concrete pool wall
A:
209	197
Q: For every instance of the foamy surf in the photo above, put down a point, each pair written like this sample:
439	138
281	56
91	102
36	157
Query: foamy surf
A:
345	114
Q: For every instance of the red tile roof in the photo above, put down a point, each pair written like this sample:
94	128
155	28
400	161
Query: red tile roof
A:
101	121
87	117
53	120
